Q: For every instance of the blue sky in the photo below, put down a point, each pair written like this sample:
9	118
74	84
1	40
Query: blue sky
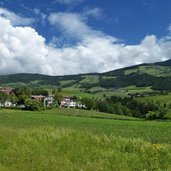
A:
81	36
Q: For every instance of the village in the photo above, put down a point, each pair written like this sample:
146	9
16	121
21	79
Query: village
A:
9	98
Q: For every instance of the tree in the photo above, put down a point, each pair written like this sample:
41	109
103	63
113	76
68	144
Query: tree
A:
13	99
3	98
57	96
88	102
101	105
23	92
38	91
33	105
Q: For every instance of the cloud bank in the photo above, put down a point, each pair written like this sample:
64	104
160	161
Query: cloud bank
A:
23	50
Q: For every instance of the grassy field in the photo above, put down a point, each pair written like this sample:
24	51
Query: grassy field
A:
59	140
160	98
158	71
71	91
134	89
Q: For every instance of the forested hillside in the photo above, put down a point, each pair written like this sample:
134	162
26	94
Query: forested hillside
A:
156	75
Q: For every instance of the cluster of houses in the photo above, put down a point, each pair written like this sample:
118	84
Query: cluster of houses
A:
66	102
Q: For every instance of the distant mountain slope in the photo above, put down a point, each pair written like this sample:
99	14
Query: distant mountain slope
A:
157	75
165	64
35	79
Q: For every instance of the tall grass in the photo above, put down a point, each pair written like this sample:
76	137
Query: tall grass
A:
64	149
52	140
152	131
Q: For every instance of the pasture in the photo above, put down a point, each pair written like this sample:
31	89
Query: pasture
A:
75	140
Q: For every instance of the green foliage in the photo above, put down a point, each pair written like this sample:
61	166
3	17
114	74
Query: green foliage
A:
68	83
88	102
155	70
3	97
23	90
13	98
160	114
57	96
131	107
33	105
39	91
116	108
31	79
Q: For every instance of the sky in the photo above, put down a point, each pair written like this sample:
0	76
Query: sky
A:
64	37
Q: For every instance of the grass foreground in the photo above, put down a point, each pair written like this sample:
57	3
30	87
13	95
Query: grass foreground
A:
51	141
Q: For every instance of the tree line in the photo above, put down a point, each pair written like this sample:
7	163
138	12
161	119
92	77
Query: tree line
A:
127	106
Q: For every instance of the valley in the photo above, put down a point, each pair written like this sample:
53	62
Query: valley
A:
132	132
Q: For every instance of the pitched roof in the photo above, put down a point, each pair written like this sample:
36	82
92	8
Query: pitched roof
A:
38	97
7	90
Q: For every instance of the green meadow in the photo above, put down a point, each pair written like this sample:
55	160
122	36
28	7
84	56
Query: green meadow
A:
75	140
165	98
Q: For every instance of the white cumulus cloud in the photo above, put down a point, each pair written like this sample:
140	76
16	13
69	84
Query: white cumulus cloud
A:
102	54
23	50
15	19
97	52
71	23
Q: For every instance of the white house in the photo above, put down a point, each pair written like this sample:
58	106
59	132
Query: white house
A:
48	100
71	104
68	102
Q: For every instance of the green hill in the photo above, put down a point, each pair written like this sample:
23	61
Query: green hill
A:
155	75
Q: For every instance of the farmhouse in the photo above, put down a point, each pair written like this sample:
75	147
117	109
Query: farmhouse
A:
68	102
48	101
5	102
8	90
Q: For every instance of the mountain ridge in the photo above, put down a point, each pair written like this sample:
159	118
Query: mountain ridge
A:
148	74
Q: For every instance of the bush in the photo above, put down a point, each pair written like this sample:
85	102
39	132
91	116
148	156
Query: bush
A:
88	102
33	105
160	114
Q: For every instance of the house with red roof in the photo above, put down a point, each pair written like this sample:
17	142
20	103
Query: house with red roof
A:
8	90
